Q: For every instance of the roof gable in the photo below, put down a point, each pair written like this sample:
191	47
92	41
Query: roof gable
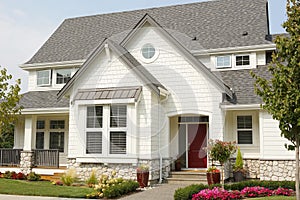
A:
214	24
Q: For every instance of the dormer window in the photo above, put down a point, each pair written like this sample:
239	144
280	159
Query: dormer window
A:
44	77
223	61
242	60
63	75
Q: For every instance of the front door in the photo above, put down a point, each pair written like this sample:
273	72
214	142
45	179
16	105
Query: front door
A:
197	156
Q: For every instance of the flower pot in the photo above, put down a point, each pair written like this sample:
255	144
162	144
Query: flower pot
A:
213	177
142	178
177	165
238	176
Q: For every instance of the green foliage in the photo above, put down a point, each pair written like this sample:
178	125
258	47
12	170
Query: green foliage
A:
220	151
7	139
239	164
92	180
9	95
32	176
69	177
7	175
121	189
187	192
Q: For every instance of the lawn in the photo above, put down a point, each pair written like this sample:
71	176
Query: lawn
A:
41	188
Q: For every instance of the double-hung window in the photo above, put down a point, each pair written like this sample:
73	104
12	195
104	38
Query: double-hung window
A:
223	61
118	124
244	129
44	77
94	125
39	140
57	135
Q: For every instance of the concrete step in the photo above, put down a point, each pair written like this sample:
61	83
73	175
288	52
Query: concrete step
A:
188	177
54	177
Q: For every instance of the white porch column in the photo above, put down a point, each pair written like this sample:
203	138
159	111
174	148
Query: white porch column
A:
29	132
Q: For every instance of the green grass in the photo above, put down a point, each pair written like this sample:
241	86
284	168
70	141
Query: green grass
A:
41	188
275	198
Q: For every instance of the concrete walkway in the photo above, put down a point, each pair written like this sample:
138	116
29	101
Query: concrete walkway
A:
157	192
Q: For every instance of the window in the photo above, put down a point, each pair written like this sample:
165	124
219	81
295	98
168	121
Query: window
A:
94	142
57	141
57	124
118	116
223	61
63	76
244	129
242	60
117	143
94	117
148	51
39	138
44	77
39	144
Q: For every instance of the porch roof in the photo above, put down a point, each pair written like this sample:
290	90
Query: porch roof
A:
109	93
43	99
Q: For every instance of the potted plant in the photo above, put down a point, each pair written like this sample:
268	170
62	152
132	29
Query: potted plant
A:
238	169
221	151
213	175
142	173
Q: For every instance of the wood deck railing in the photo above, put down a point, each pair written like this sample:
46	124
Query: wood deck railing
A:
10	157
46	157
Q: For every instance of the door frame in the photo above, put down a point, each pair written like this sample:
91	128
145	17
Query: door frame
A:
186	142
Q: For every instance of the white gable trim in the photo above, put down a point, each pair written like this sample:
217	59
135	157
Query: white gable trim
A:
241	107
45	111
52	64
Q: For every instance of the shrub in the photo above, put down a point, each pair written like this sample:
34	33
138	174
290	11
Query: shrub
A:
60	183
187	192
21	176
120	189
69	177
216	194
7	175
13	175
32	176
268	184
283	191
92	180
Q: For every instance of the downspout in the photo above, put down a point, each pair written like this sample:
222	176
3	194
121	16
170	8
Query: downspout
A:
159	134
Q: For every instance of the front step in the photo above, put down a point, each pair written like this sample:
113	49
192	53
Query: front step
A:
187	177
54	177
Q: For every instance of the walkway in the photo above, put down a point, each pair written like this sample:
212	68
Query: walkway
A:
157	192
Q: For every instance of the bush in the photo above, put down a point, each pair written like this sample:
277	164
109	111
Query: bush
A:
20	176
217	194
69	177
121	189
187	192
256	191
32	176
92	180
7	175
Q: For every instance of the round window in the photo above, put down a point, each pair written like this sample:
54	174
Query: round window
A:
148	51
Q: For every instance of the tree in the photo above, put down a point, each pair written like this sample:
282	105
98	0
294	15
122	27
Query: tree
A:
281	93
9	102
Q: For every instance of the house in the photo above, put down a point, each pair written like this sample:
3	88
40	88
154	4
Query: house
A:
151	86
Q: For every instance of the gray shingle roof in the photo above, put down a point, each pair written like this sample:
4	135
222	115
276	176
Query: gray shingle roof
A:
43	99
216	24
243	84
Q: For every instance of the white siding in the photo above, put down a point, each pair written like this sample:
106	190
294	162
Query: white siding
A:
261	58
272	144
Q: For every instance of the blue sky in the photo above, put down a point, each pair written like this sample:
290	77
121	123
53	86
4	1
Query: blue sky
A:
25	25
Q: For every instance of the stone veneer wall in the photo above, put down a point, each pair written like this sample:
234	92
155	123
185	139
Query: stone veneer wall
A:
126	171
277	170
251	165
26	161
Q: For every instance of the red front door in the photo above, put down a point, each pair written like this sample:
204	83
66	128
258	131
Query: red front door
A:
197	157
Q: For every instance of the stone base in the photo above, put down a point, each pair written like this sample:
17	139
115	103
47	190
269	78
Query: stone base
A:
277	170
26	161
126	171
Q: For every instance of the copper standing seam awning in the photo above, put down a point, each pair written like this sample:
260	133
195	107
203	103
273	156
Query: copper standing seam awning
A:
109	93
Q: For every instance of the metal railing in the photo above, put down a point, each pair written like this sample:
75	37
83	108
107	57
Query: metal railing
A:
10	157
46	157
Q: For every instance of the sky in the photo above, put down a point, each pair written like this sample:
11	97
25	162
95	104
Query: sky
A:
26	24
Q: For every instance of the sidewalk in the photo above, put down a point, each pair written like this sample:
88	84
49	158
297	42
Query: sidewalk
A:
157	192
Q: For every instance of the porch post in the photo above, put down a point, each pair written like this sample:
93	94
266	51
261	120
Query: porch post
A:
27	155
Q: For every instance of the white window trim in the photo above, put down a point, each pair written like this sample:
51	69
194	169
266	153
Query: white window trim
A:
49	78
106	129
223	66
73	71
